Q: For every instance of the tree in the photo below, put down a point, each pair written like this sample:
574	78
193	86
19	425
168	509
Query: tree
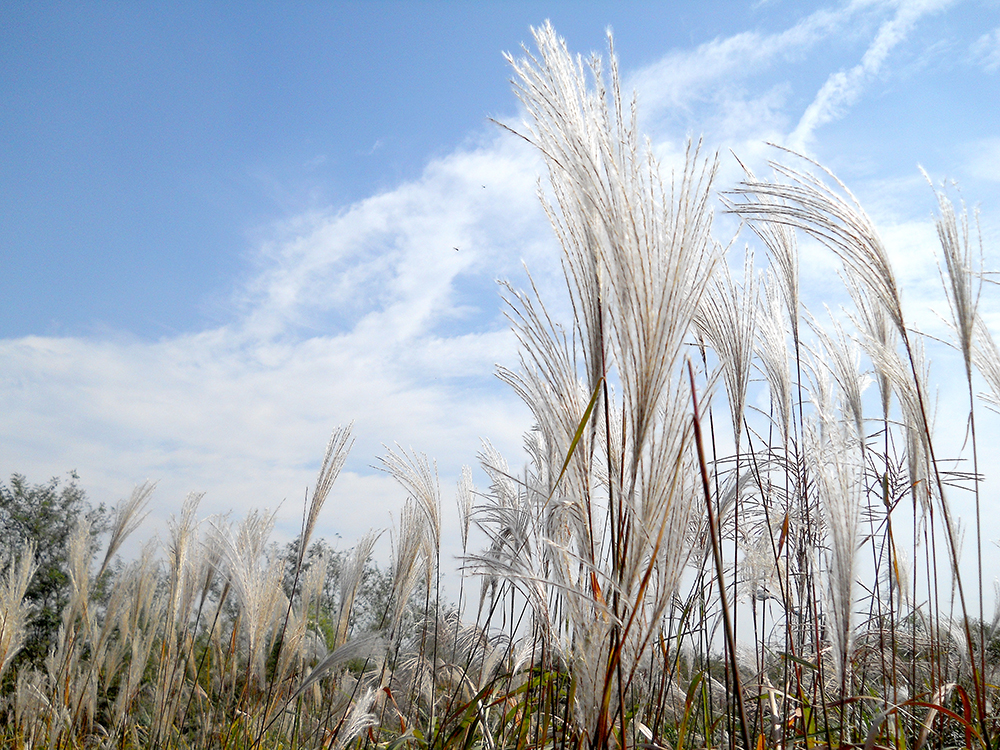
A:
373	592
47	514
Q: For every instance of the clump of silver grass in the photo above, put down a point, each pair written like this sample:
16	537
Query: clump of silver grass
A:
611	494
836	219
257	582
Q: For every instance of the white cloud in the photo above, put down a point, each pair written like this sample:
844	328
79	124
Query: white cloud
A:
683	78
738	91
985	51
366	314
983	159
390	260
843	88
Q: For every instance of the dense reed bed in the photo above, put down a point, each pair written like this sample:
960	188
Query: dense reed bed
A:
675	566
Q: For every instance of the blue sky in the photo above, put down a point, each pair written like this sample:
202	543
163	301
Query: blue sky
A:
225	229
150	145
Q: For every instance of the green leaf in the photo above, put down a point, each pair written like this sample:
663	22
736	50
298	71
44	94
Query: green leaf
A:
579	433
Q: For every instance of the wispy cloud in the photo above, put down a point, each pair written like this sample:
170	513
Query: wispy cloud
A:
843	88
983	159
985	51
685	77
364	314
389	261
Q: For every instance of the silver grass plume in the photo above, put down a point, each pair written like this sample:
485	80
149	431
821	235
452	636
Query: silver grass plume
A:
839	472
772	355
185	558
416	475
313	582
299	644
986	357
518	555
835	219
727	318
337	449
360	718
75	612
410	559
838	221
548	384
257	583
962	286
889	363
464	499
350	581
506	520
842	358
877	334
13	609
185	561
782	248
649	243
605	547
138	623
128	516
213	549
367	646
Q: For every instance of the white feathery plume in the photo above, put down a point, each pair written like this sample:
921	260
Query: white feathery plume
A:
782	247
960	282
128	516
313	581
417	476
648	243
986	357
837	220
464	499
838	470
350	581
13	609
78	565
299	642
878	334
727	318
842	358
410	559
360	718
256	581
185	562
503	488
918	433
962	287
605	548
337	449
548	384
772	353
367	646
138	623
